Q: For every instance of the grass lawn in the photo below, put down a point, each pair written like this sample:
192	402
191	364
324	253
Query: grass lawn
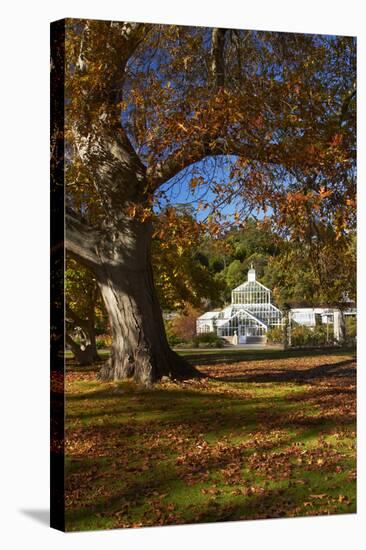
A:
267	434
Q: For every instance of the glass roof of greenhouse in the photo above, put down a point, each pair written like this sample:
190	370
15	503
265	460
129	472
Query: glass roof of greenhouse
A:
250	300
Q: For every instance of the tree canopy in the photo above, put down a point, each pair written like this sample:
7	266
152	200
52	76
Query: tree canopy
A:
253	123
279	106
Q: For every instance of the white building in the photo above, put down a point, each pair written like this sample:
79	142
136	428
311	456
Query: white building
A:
311	316
249	316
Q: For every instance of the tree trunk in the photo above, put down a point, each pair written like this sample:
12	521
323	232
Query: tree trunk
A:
84	357
92	342
140	349
287	328
88	353
90	337
339	326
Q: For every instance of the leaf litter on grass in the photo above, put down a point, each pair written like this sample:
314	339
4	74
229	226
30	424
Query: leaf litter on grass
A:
256	439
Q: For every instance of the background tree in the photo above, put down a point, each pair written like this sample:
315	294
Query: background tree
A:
181	271
84	309
183	326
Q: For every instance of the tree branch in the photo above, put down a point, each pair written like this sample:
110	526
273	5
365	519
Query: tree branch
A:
73	345
126	37
346	103
81	241
217	56
82	323
188	155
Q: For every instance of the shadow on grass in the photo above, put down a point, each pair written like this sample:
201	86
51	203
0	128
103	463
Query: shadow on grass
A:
194	413
236	356
212	357
336	370
148	498
166	406
217	408
133	473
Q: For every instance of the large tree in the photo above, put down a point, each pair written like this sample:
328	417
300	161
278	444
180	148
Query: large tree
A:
149	106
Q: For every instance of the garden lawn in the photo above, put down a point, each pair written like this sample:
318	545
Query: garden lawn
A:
263	437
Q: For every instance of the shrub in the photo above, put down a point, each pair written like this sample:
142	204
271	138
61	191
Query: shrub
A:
173	338
188	344
311	336
208	340
275	335
351	330
183	327
103	341
302	336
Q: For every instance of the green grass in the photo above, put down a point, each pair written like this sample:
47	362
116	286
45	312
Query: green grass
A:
103	353
263	437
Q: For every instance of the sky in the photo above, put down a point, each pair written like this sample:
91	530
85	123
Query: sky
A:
213	171
180	192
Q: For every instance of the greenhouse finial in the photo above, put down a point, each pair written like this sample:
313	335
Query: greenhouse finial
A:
251	274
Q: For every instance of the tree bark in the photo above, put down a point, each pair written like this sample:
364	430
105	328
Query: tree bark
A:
140	349
287	329
88	328
339	326
217	56
92	342
84	357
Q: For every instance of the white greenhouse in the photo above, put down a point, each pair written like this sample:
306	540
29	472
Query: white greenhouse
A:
249	316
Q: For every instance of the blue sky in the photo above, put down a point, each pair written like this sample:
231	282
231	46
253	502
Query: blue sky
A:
179	191
213	170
